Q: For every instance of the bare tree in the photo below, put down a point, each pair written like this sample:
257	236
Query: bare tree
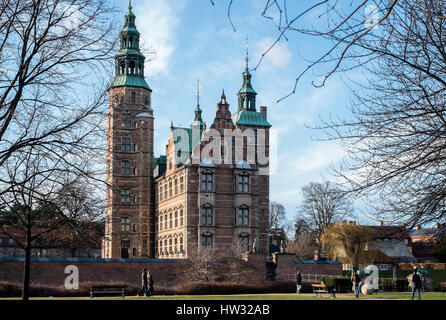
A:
303	246
396	135
55	63
324	204
40	202
54	59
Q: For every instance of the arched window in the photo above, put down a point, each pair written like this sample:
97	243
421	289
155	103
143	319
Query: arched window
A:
181	218
243	216
170	188
161	222
176	219
170	220
181	184
176	244
165	221
181	244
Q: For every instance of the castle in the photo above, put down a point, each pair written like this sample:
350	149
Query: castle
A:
210	189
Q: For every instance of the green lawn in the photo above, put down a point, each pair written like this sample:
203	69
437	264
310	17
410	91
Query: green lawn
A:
342	296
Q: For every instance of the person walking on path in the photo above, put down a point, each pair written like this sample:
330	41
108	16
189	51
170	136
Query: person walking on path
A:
298	281
416	284
144	281
356	280
150	280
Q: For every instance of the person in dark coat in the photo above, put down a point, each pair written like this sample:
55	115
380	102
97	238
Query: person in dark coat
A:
416	284
144	281
298	281
356	280
150	281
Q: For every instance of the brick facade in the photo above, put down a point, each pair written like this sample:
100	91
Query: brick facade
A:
170	208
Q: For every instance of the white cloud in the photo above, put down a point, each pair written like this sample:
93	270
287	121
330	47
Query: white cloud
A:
279	56
157	21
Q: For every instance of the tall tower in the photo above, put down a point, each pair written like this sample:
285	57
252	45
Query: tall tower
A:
129	226
248	119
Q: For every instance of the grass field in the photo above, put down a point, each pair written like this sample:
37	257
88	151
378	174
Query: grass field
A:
378	296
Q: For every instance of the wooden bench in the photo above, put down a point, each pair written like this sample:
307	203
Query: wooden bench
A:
318	289
107	290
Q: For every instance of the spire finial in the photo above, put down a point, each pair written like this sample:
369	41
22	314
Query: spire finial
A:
247	57
130	4
198	91
223	97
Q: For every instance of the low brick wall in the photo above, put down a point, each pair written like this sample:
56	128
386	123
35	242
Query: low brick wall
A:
166	273
52	273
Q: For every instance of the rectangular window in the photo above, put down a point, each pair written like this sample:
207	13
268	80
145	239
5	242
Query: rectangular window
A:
126	144
165	222
125	168
170	246
181	184
161	223
133	97
125	224
181	244
176	219
206	181
170	220
125	195
243	183
243	217
181	218
207	216
206	240
176	245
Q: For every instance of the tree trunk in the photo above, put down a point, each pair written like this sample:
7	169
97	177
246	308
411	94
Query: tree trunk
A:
27	266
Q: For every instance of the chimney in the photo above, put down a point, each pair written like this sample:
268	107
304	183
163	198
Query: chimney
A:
263	111
418	227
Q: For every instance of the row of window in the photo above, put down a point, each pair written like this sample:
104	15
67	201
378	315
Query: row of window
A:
170	246
9	241
171	220
171	188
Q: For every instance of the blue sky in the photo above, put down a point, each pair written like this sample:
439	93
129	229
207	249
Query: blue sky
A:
194	39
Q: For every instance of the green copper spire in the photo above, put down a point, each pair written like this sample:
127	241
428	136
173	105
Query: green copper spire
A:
129	62
198	121
247	95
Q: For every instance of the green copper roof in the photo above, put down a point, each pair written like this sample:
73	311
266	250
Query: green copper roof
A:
246	86
129	51
133	81
250	118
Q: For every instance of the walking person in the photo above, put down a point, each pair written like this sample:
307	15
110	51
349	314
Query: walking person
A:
298	281
150	280
416	284
356	280
144	281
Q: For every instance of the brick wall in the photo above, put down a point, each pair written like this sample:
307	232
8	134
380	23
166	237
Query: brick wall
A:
166	272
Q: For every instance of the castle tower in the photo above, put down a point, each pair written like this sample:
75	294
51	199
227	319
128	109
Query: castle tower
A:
129	226
255	125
